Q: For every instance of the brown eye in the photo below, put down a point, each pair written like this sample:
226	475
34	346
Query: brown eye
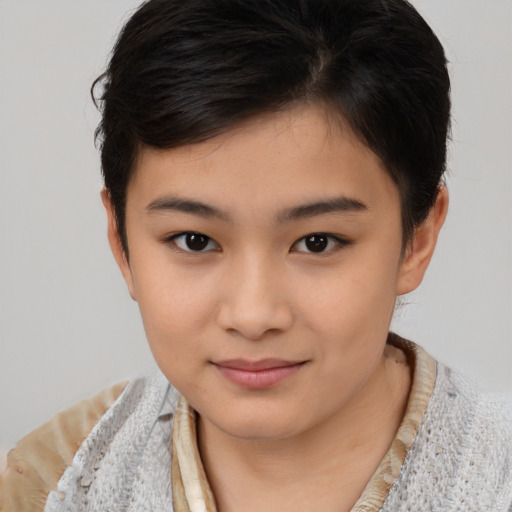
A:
319	243
194	242
316	243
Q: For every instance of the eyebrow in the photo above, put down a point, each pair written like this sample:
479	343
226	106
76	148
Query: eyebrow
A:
311	209
335	205
186	206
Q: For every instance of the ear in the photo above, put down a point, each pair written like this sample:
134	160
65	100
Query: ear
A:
421	248
115	243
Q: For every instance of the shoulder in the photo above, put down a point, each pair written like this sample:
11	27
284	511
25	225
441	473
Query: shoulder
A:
40	459
482	472
485	417
461	458
485	421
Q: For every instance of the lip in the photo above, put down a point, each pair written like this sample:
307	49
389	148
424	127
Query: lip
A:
261	374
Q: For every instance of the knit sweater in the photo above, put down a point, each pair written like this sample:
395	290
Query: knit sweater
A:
459	459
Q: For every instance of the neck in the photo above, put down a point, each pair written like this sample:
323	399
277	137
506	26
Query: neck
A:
326	467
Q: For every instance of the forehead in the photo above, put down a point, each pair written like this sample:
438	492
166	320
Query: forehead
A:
268	162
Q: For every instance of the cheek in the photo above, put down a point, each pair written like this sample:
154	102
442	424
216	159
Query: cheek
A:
175	311
357	296
349	317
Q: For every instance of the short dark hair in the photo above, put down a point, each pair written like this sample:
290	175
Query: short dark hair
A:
184	71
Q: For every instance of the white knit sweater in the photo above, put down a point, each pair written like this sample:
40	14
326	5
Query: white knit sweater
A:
460	460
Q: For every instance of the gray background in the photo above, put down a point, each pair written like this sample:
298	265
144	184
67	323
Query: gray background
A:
67	325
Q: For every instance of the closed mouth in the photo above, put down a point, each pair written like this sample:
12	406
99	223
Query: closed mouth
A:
262	374
256	366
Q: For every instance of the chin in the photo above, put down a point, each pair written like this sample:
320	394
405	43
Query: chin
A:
261	428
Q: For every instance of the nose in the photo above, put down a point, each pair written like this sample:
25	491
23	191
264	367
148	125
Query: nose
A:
254	302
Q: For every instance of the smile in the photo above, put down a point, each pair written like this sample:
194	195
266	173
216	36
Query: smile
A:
257	374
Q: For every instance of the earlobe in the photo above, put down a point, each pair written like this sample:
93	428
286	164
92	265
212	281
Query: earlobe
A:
421	248
115	243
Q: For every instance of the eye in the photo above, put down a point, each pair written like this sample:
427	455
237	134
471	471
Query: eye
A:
318	243
194	242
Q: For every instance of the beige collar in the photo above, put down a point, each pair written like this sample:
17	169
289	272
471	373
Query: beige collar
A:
190	487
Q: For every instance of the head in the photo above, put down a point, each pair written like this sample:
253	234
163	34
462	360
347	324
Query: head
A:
182	73
272	180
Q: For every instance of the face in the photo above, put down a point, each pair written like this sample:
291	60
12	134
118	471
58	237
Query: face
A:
266	263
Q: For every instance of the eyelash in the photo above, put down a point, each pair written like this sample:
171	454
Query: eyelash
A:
339	243
172	240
